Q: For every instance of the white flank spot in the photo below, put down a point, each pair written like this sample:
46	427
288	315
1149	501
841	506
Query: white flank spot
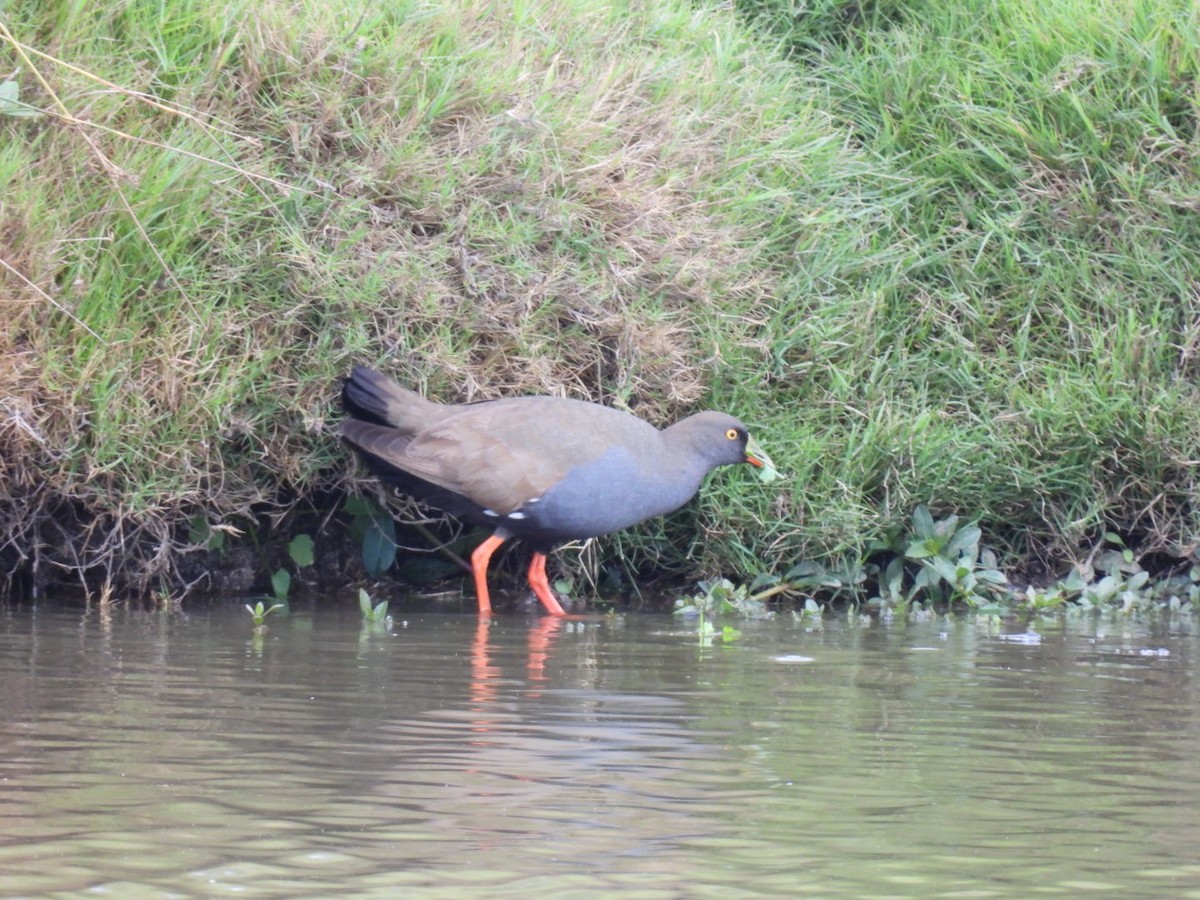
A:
490	512
516	515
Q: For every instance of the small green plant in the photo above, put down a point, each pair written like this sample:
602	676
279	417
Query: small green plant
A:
846	579
1191	582
810	614
722	597
951	565
707	633
300	550
1052	597
372	615
259	612
1114	580
1124	581
165	600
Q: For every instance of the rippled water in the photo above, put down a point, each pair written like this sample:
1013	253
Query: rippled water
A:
158	754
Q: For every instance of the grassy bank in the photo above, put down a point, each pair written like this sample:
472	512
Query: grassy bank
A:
1031	352
938	256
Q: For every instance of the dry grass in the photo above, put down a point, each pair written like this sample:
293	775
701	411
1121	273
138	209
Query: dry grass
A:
947	260
221	210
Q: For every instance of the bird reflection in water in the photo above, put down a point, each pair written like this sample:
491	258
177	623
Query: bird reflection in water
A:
485	676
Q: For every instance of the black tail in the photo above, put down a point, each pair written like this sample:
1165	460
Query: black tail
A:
363	396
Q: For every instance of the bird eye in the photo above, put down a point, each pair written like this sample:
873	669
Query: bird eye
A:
732	434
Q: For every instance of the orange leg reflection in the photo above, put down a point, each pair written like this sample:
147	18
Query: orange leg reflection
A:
483	674
484	687
541	638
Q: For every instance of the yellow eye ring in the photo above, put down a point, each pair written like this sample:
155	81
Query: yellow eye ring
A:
732	434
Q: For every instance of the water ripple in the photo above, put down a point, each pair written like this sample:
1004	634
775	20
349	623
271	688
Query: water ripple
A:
152	755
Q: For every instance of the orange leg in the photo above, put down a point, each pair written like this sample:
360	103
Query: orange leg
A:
480	557
541	587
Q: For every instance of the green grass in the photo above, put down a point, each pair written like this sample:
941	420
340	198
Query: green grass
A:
1026	353
932	253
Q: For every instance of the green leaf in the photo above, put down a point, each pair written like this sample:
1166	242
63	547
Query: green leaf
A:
301	550
946	569
805	570
358	506
922	522
920	550
926	579
379	545
964	541
762	581
893	576
10	101
198	530
1073	581
281	581
946	526
993	576
364	603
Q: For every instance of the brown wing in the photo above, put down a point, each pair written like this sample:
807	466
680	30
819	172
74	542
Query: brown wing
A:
505	453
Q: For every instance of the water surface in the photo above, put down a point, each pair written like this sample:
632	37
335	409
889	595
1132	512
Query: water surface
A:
179	754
